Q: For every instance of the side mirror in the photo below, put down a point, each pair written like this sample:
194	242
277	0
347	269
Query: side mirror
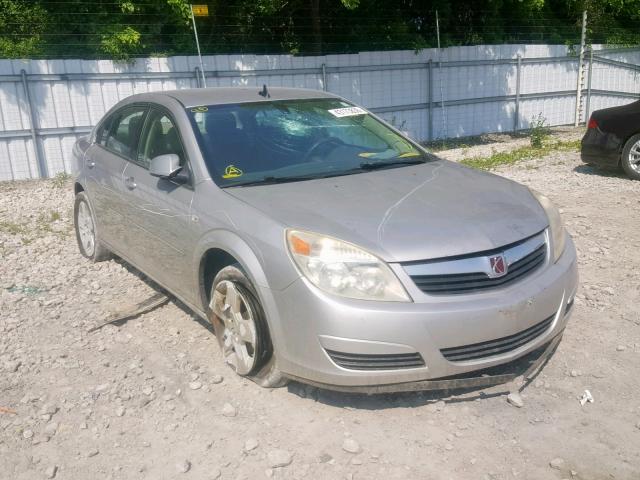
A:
165	166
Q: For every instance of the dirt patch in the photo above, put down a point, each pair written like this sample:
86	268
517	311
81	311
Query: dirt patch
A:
151	399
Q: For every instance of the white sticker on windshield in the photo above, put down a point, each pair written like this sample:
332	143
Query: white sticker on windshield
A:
347	112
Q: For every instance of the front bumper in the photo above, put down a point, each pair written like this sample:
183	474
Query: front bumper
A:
310	322
525	367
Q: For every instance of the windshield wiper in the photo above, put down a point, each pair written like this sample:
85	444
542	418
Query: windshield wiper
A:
391	163
270	180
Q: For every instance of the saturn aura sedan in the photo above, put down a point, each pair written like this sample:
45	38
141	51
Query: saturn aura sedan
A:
321	243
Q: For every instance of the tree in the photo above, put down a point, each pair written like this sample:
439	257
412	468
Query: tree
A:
124	29
21	29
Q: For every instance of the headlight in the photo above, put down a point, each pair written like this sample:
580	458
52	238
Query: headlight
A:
556	229
341	268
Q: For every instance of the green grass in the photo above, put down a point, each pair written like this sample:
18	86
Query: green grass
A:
519	154
13	228
42	227
61	180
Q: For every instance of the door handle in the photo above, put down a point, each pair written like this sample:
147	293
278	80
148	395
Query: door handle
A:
130	183
91	164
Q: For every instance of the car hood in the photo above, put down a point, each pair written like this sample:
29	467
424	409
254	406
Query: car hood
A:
432	210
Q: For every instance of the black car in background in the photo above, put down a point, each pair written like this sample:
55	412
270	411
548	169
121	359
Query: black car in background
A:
613	139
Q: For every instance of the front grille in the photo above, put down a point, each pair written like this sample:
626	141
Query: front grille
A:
472	282
362	361
499	346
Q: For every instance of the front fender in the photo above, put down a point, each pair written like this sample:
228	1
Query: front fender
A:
234	245
267	272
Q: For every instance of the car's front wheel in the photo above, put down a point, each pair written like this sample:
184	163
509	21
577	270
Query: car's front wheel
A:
631	157
86	232
241	328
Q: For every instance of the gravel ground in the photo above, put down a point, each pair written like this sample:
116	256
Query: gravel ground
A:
489	143
151	399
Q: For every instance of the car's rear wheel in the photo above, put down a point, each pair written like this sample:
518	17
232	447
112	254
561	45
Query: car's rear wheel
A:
241	328
631	157
86	232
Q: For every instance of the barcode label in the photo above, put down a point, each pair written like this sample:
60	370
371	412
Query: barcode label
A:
347	112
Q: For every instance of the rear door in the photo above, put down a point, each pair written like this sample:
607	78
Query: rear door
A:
116	141
160	208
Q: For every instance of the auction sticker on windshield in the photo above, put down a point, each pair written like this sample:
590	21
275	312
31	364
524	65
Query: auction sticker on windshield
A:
232	172
347	112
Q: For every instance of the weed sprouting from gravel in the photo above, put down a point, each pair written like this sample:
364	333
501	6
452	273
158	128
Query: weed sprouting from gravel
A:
539	131
13	228
45	224
61	180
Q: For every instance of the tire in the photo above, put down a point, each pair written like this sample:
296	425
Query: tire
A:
240	326
630	159
86	231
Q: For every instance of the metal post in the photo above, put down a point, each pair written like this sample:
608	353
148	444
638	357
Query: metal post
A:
444	118
324	77
195	32
583	38
516	116
588	109
42	166
198	77
438	28
430	97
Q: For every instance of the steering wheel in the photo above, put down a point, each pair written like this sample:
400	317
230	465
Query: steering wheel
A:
319	143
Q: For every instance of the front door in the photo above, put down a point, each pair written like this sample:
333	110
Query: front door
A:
160	209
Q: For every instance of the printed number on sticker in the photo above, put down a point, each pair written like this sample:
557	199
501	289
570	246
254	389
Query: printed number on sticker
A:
347	112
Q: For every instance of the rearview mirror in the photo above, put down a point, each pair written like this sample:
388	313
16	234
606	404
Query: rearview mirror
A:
165	166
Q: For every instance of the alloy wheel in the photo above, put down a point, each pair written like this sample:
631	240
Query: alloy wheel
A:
86	229
239	336
634	156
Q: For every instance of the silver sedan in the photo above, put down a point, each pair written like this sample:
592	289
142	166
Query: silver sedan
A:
321	243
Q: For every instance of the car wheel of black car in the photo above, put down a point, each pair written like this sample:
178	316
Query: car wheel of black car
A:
241	328
631	157
86	231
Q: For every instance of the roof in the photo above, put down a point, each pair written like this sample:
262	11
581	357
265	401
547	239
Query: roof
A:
194	97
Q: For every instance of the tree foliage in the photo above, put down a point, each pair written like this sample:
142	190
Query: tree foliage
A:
122	29
21	28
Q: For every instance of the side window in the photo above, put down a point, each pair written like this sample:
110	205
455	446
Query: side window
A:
103	131
124	131
160	137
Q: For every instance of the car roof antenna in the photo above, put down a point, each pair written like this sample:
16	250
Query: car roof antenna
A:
264	93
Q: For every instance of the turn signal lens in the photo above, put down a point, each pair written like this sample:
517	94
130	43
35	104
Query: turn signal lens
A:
592	123
299	246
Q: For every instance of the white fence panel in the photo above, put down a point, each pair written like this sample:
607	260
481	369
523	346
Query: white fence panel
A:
431	94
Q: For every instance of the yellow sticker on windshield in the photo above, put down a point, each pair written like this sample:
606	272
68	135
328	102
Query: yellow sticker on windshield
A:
366	154
200	109
232	172
409	154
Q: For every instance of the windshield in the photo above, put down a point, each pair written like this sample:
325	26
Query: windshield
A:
293	140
